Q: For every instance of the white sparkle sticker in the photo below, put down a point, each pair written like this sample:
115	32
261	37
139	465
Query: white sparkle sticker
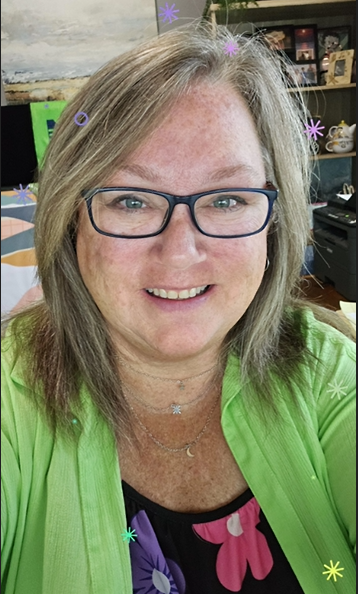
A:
337	389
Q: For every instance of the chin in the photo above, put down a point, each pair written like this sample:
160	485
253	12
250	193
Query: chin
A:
183	345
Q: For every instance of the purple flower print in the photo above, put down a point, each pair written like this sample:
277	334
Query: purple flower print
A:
241	544
152	572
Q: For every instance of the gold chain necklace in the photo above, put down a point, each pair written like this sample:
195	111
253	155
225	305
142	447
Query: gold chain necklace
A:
180	382
183	448
175	407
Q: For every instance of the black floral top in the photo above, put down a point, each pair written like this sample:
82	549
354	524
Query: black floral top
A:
231	549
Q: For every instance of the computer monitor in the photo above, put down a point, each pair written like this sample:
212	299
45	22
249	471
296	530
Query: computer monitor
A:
18	156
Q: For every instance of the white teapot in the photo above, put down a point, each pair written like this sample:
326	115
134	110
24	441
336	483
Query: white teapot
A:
341	138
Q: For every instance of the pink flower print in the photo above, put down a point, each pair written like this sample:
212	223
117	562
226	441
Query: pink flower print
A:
241	544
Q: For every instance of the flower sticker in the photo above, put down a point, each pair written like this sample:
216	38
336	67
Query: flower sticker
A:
241	543
152	572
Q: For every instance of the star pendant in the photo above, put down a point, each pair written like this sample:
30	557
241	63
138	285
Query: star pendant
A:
176	409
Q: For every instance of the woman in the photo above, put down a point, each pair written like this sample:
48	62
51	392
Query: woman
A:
176	419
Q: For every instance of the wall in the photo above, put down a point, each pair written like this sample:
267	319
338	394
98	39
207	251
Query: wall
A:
189	10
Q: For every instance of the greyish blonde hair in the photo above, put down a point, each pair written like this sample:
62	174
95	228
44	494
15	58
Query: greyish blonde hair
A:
66	338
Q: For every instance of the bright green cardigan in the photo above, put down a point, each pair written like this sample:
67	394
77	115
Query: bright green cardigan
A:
62	503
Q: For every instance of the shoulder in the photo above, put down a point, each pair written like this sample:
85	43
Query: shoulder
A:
13	365
19	412
331	354
326	382
321	338
28	416
328	355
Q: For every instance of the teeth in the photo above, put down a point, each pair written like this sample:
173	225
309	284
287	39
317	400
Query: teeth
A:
184	294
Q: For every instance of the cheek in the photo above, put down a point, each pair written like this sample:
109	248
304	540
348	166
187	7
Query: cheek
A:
107	265
88	255
246	257
95	252
94	259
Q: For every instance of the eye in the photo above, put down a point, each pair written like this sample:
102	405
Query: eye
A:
227	202
132	203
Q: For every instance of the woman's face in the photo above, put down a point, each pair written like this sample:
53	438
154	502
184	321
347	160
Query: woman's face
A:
207	141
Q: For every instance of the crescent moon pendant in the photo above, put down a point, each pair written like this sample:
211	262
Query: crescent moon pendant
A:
189	453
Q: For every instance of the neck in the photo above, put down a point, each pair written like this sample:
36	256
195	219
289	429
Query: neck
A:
160	384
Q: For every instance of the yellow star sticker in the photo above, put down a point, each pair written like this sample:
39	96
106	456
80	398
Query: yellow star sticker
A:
333	570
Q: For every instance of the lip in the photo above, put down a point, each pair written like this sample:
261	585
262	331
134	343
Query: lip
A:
181	305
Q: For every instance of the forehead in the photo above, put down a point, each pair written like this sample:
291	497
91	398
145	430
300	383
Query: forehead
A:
203	114
209	128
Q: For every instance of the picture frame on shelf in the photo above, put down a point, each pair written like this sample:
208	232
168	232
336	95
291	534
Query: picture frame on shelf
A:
333	39
306	46
305	55
304	75
340	68
280	38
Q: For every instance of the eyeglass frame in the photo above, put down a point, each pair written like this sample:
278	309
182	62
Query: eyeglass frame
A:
271	193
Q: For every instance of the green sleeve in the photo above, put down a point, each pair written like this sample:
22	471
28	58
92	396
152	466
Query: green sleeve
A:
10	475
336	413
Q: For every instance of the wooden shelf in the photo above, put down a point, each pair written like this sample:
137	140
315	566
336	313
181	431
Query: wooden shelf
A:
322	88
334	156
277	4
274	10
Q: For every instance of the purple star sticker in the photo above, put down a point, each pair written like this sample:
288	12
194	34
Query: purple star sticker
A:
168	13
231	48
23	195
313	129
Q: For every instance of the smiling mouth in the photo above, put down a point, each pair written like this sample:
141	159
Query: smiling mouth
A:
179	295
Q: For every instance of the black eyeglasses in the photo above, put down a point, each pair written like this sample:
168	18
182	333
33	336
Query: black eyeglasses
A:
136	213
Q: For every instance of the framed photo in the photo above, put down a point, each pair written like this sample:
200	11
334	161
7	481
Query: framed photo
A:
280	38
306	48
304	75
340	68
333	39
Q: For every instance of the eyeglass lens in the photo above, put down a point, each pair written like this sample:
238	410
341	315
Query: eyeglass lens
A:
130	213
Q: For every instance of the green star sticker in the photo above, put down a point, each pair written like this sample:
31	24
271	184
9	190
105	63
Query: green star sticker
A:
333	570
129	535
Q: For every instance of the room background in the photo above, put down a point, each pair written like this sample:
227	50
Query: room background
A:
49	49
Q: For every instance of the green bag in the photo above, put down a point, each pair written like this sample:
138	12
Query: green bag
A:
44	116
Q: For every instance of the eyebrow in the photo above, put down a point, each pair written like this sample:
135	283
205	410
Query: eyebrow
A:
230	171
141	171
217	175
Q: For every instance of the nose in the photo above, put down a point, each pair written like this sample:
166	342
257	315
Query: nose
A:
181	244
